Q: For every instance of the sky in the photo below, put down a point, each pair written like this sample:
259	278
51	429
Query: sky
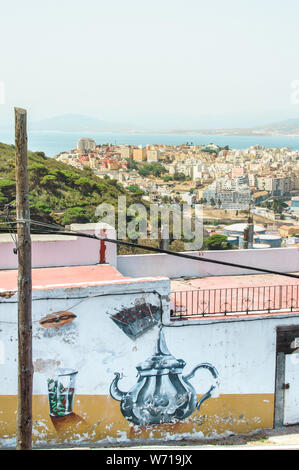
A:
158	63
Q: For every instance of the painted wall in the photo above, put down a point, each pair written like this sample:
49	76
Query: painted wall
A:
93	344
277	259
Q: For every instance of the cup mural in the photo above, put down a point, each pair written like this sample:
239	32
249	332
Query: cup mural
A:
162	394
61	392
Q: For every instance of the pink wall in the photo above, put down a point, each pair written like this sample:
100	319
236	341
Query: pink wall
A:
59	250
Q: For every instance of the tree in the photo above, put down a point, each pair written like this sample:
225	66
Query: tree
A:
36	172
167	178
217	242
134	188
84	184
75	215
132	165
144	171
7	186
156	169
3	199
49	181
179	176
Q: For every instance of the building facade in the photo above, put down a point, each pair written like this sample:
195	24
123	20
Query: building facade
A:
112	365
85	144
139	154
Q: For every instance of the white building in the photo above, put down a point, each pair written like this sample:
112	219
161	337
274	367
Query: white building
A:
85	144
98	318
153	155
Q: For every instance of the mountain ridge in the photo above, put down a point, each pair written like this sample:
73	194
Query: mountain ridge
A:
82	123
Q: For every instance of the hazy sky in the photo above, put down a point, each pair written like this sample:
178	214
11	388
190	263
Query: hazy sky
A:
156	62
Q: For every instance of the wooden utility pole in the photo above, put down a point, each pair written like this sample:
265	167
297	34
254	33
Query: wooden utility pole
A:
25	367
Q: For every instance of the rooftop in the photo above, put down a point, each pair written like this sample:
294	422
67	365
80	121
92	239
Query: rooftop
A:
69	276
233	296
222	282
241	227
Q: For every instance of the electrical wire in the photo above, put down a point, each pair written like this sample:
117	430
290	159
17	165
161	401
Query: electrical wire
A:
70	232
60	230
172	253
87	297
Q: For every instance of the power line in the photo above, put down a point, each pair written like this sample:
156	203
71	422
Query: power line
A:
60	230
172	253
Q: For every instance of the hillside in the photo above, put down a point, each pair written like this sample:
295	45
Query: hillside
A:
59	193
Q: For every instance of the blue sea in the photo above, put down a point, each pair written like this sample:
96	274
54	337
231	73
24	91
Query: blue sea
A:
52	143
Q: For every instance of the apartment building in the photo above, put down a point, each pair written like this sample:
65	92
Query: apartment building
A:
85	144
276	185
126	152
228	198
139	154
153	155
237	171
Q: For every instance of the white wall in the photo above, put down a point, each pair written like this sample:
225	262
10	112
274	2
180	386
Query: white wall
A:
243	350
277	259
92	343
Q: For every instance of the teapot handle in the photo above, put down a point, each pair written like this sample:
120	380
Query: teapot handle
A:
214	372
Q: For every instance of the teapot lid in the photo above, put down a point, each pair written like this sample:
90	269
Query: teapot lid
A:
161	362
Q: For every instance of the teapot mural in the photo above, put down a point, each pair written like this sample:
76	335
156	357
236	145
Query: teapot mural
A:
162	394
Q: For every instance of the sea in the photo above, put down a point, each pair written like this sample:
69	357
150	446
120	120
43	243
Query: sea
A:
52	143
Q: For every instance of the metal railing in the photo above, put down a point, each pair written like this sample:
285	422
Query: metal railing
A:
235	300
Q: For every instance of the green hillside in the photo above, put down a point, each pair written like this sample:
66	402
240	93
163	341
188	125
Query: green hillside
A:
59	193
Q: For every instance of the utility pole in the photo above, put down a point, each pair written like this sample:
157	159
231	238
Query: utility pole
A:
248	232
25	367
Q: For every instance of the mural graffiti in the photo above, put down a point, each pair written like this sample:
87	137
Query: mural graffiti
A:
61	392
53	320
162	394
136	320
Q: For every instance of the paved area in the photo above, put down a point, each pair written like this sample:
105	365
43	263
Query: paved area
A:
220	282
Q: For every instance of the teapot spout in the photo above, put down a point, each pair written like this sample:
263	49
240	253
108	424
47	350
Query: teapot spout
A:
114	390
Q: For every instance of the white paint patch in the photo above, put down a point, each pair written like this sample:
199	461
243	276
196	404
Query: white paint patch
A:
2	352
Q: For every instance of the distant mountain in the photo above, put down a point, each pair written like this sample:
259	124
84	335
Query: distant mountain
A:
289	127
82	123
77	123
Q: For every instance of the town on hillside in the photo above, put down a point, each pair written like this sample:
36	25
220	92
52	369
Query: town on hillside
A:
229	183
